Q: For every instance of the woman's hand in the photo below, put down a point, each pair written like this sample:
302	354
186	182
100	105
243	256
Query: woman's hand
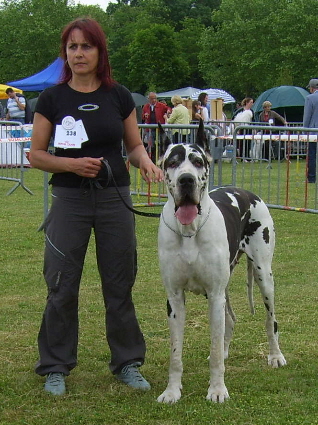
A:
149	171
86	167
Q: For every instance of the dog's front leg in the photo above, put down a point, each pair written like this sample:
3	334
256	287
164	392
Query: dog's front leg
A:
217	390
176	319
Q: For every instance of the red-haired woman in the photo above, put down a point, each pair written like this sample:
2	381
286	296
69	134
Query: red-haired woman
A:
88	114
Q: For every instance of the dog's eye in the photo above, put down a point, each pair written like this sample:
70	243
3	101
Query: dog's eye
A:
173	164
198	163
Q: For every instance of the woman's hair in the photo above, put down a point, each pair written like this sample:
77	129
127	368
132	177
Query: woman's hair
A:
94	34
246	101
201	98
266	103
195	103
176	100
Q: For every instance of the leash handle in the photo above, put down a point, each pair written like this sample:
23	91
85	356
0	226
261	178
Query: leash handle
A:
111	177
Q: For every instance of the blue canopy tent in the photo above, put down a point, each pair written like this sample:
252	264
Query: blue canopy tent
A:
46	78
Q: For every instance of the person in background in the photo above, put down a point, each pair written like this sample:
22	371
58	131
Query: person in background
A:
2	114
179	115
269	116
272	118
15	107
203	99
196	110
89	115
152	113
244	115
310	120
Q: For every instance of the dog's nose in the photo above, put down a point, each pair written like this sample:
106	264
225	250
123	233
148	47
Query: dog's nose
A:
186	180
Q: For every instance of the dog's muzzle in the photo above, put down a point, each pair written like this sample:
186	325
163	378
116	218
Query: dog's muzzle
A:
187	204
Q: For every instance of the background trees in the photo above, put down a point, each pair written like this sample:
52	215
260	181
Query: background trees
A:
242	46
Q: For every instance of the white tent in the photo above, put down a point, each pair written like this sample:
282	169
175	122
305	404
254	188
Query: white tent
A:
184	92
215	94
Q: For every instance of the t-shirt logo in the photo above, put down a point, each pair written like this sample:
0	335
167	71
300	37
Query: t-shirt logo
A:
88	107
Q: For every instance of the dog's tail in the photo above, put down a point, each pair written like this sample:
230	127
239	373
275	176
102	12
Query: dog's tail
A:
250	281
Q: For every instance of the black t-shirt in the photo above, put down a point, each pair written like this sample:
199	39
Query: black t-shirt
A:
102	112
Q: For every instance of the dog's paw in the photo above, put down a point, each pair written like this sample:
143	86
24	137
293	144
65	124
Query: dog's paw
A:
276	360
218	394
170	396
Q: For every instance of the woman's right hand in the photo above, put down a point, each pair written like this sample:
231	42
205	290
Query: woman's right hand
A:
86	167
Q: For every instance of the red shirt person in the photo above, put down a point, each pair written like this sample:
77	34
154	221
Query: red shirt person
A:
154	111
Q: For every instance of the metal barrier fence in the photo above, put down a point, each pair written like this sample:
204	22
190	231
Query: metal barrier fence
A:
14	145
271	162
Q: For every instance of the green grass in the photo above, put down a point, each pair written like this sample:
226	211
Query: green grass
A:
259	395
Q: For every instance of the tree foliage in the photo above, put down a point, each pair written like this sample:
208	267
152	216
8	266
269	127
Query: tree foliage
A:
242	46
255	45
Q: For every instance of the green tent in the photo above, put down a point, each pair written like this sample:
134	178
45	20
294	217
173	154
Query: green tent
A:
288	101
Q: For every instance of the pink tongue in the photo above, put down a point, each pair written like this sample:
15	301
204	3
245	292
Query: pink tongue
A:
186	214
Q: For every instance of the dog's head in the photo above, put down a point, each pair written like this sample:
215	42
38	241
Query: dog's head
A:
186	173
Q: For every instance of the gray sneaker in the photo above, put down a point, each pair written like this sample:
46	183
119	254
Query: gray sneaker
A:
131	376
55	383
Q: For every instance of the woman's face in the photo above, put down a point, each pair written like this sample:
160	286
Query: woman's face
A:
250	104
82	56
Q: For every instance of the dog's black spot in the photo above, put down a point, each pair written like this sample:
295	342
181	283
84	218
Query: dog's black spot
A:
251	228
236	215
266	235
169	309
175	157
198	158
259	268
267	306
275	327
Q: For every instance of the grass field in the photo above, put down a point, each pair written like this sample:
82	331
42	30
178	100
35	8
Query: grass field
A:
258	395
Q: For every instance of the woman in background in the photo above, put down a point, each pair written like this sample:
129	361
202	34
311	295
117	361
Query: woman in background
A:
179	115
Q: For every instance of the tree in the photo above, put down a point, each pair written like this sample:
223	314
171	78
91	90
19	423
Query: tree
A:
254	46
155	60
189	40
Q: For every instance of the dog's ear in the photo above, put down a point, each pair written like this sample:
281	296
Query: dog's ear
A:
164	142
201	139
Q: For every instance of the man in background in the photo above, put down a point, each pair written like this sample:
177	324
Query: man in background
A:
15	106
152	113
310	120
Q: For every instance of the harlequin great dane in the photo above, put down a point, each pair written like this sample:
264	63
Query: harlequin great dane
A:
201	238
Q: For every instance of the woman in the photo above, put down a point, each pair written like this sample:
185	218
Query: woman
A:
179	115
244	115
203	99
88	115
269	116
196	111
272	118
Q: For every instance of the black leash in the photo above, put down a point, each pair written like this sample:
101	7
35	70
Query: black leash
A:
111	177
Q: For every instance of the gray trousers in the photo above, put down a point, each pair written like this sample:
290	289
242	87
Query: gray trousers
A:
73	214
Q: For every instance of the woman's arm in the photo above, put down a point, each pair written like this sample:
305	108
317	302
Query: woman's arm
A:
137	154
40	158
280	118
173	117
